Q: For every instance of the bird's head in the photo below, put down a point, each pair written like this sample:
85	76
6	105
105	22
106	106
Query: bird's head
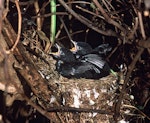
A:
80	48
75	47
58	53
63	54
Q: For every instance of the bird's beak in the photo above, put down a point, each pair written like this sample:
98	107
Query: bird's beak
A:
58	51
74	48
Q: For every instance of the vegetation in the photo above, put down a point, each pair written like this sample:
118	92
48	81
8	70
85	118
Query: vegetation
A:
29	84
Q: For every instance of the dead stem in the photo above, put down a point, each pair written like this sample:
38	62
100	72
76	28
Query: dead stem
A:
19	28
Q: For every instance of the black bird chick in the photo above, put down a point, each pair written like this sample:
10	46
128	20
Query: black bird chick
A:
93	56
80	70
63	54
80	48
88	67
85	67
102	49
63	57
97	61
83	48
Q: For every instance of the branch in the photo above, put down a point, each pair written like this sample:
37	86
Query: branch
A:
130	69
1	13
141	25
88	23
79	110
107	18
19	27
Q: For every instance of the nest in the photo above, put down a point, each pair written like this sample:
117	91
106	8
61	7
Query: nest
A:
80	100
58	98
90	94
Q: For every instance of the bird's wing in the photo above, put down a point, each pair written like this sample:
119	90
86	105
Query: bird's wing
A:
94	59
79	70
102	49
85	66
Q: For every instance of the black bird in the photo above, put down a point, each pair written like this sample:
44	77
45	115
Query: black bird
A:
102	49
80	70
93	56
83	48
89	66
97	61
80	48
63	54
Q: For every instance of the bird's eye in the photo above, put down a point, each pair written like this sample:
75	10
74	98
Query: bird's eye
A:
79	48
62	53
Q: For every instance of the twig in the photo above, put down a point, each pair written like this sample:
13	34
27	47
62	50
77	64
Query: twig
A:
79	110
108	19
89	12
6	10
5	70
142	113
131	35
43	6
78	2
141	25
1	13
40	110
38	20
49	14
24	3
107	7
88	23
146	102
144	44
58	32
69	36
19	28
130	69
65	37
109	3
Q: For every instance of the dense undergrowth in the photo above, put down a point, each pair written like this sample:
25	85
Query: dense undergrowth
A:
123	24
